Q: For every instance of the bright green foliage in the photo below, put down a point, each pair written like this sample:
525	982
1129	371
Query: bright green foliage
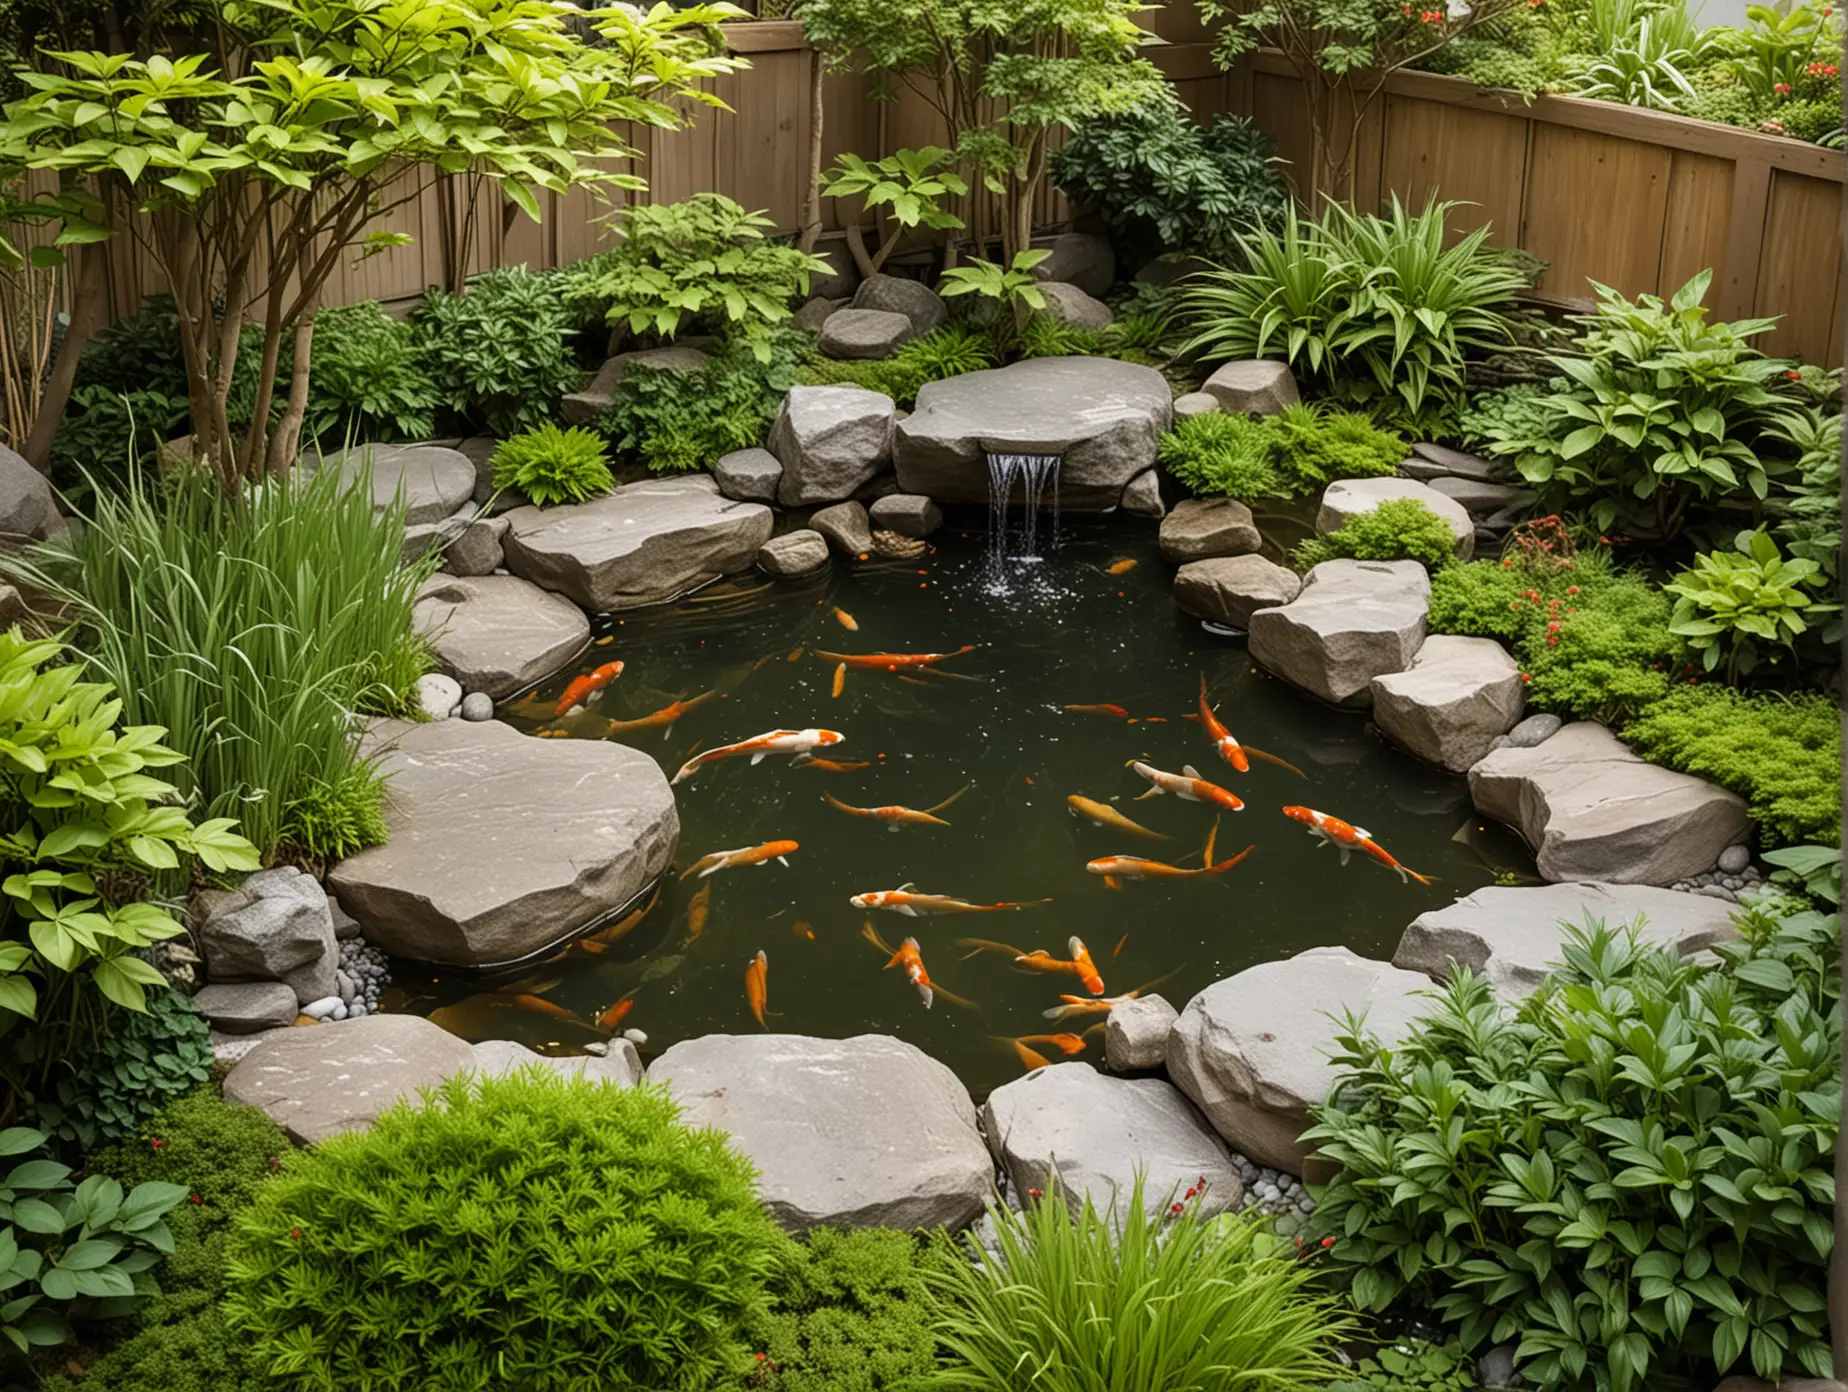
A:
1808	502
1815	871
1412	1365
1783	754
250	629
367	379
497	352
550	465
1657	410
1165	183
1313	446
1399	529
1779	46
908	185
132	1064
1070	1297
1221	456
1010	290
703	263
1370	307
948	352
1640	54
675	422
546	1233
1727	602
1627	1172
92	1242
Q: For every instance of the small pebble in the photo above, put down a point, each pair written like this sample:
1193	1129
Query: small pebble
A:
1734	859
635	1037
323	1008
597	1047
477	705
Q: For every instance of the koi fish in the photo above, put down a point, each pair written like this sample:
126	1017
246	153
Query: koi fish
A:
1223	744
757	985
744	855
1067	1044
1187	785
1122	567
840	680
584	687
609	1021
845	620
1348	839
828	765
802	930
890	662
907	956
906	900
895	816
759	747
1104	815
1114	712
1083	1005
1116	869
1039	959
1030	1059
1085	967
540	1006
697	909
667	716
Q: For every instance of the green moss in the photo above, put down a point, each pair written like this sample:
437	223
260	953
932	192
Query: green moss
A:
1297	452
1221	456
1399	529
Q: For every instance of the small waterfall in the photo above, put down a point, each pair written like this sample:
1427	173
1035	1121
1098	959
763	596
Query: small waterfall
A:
1031	475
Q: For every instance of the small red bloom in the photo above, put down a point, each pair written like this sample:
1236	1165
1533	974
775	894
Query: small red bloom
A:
1035	1194
1793	374
760	1357
156	1142
1572	589
1527	676
1328	1242
1176	1208
295	1233
1781	88
197	1199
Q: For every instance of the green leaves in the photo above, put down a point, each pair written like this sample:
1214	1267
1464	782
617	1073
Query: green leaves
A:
1728	602
1011	286
908	182
550	465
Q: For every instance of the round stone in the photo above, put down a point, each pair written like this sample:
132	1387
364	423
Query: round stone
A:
1735	859
477	706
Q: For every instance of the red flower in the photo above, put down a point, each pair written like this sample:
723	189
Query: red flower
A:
1328	1242
197	1199
1793	374
1176	1209
295	1233
156	1142
1035	1194
760	1357
1572	589
1781	88
1527	676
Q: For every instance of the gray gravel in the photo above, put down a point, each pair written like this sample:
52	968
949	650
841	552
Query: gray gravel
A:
361	977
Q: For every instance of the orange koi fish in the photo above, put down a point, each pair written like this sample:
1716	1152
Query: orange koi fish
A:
1122	567
802	930
609	1021
1067	1044
1104	815
1348	839
907	956
1083	1005
890	662
1114	712
840	680
583	688
540	1006
1030	1059
1187	785
895	816
697	909
1223	744
744	855
760	747
828	765
1040	960
1116	869
845	620
1085	967
757	985
906	900
666	717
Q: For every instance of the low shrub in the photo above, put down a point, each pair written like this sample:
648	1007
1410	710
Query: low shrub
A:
676	422
367	380
550	465
1295	453
1221	456
497	353
1411	1365
1399	529
560	1233
133	1064
1627	1172
105	431
1729	602
948	352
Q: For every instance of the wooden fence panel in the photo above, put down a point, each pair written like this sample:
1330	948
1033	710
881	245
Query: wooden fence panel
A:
1800	277
1475	158
1594	209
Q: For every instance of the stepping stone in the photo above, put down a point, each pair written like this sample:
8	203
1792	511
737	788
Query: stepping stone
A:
1081	260
1513	936
599	394
847	526
908	514
1201	528
1353	621
498	633
830	440
1252	387
1088	1135
1346	499
1142	495
276	926
1192	404
923	306
1070	305
643	544
28	507
1449	706
323	1080
1481	500
861	1132
1136	1033
1253	1051
1230	589
620	1065
433	481
502	846
1593	810
864	333
748	476
246	1007
793	553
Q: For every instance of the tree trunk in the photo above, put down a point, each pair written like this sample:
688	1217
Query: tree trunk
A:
89	270
811	203
285	440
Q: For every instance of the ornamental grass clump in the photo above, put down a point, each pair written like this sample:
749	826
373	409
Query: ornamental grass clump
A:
552	465
531	1231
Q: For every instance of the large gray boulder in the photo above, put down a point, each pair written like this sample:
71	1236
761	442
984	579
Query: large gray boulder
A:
1353	621
620	1065
1346	499
599	394
1142	495
1102	417
28	508
1252	387
643	544
276	926
1592	810
1136	1033
1079	259
923	306
498	633
1481	500
1089	1135
830	440
321	1080
1200	528
1513	935
842	276
433	480
1070	305
794	553
474	548
502	846
748	476
861	1132
1230	589
1253	1051
1431	461
1451	703
864	333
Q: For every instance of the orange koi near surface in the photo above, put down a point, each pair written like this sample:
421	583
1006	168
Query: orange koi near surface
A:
1236	754
1067	1044
1085	967
1347	839
757	985
1122	567
1030	1059
828	765
840	680
1116	869
1187	785
584	687
1083	1005
908	901
1114	712
609	1021
760	747
845	620
666	717
895	816
890	662
744	855
906	955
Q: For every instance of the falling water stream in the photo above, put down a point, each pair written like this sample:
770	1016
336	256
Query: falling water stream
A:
1032	475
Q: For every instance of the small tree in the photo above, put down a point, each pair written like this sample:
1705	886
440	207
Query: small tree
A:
1343	51
253	166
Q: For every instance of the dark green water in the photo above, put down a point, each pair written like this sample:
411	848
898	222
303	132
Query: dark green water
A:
1066	632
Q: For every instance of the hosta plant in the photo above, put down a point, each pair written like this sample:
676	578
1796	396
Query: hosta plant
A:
1729	602
550	465
908	185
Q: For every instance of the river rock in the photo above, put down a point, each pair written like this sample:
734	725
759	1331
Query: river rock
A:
1535	730
923	306
793	553
1081	260
1480	500
1102	417
1346	499
1735	860
618	1064
1070	305
1595	811
498	633
908	514
1191	404
1142	495
477	705
861	1132
502	845
1253	1051
1230	589
438	696
642	544
847	526
748	476
841	278
864	333
1201	528
1512	936
319	1082
830	440
599	394
475	547
1352	622
276	926
433	480
28	507
1252	387
1136	1033
248	1006
1451	703
1088	1135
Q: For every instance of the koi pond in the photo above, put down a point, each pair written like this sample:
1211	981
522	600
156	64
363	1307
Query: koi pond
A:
989	739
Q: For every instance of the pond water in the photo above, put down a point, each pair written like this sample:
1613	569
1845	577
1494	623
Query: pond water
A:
1081	627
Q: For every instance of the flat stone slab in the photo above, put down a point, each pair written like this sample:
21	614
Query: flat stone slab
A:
1230	589
1346	499
1102	417
864	333
433	480
793	553
246	1007
498	633
861	1132
320	1081
599	394
620	1065
1513	935
1593	810
645	543
502	845
1089	1134
1252	387
1449	706
1199	529
1253	1051
748	476
1352	622
830	441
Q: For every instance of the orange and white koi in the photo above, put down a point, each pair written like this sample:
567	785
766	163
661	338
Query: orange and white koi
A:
890	662
744	855
760	747
584	687
667	717
895	816
1187	785
908	901
757	985
1116	869
1114	712
1347	839
909	958
1224	745
828	765
1104	815
1085	967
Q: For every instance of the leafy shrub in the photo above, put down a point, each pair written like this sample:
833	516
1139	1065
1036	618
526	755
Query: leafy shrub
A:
142	354
132	1066
1782	754
367	379
1297	452
909	184
105	431
948	352
1068	1296
1412	1365
1813	871
1808	502
564	1234
1728	601
1399	529
549	465
1220	455
1162	182
1005	295
1627	1171
675	422
496	353
1645	58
